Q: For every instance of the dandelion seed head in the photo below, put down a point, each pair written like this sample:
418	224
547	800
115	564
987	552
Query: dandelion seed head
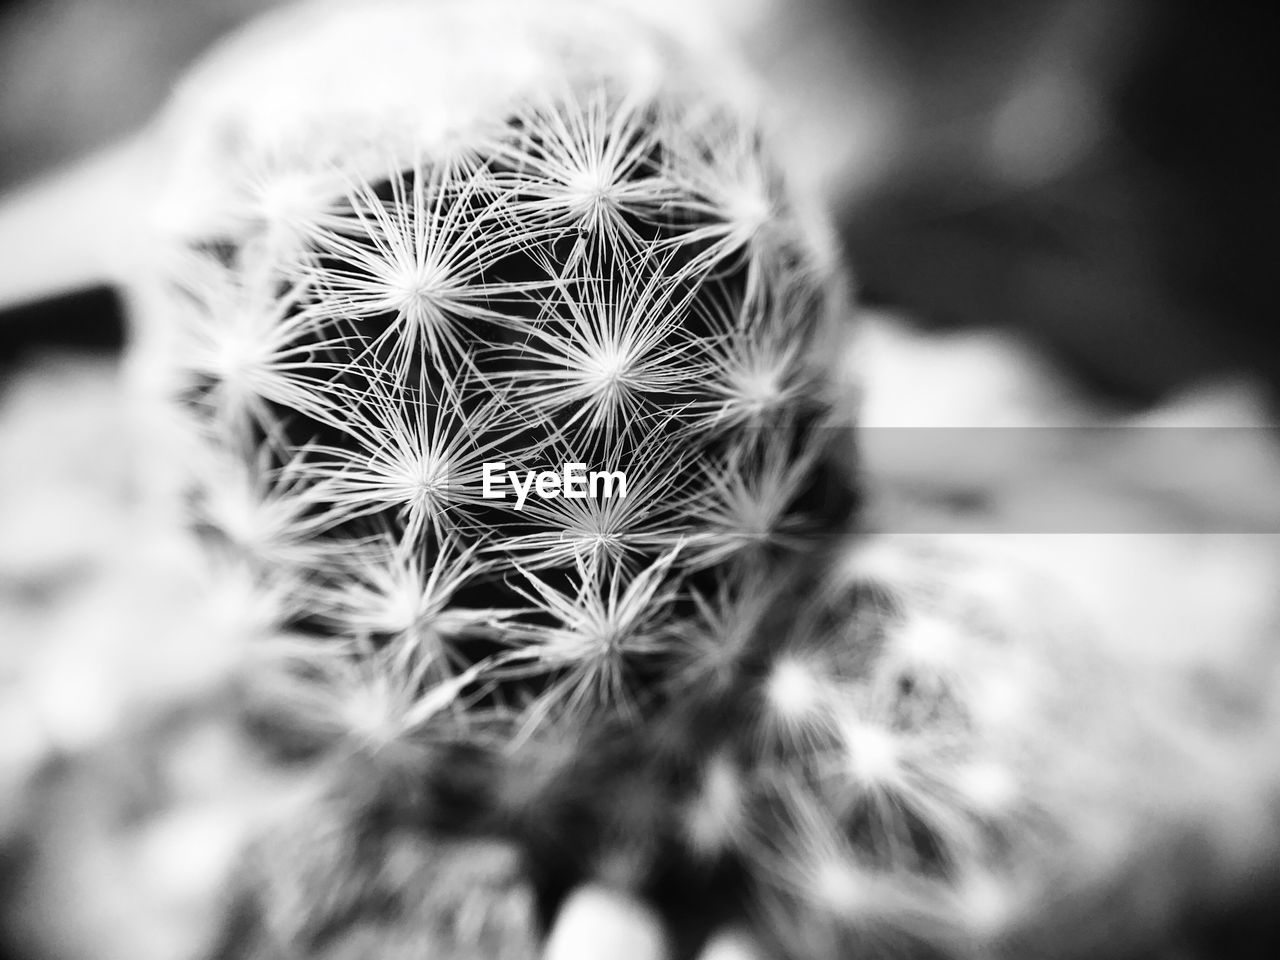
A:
794	690
401	612
237	357
417	286
591	189
748	207
394	601
839	886
431	479
608	367
760	389
873	753
248	604
369	714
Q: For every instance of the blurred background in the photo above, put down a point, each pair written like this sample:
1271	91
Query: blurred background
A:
1067	206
